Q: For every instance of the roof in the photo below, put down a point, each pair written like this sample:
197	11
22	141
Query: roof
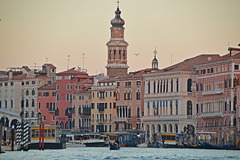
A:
187	64
26	68
222	58
87	81
42	76
107	80
48	87
50	65
138	74
17	77
71	72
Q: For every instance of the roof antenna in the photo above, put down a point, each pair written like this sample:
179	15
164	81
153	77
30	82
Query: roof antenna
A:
83	60
68	61
46	59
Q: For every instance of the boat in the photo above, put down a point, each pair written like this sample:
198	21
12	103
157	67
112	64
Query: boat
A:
114	146
91	140
72	141
50	140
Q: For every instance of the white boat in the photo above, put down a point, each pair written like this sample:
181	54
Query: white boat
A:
72	142
92	140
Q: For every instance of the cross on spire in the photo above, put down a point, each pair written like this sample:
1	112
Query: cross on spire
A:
118	3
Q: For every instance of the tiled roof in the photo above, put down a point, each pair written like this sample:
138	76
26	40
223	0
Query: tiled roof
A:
50	66
71	72
138	74
17	77
87	81
42	76
107	80
48	87
222	58
187	65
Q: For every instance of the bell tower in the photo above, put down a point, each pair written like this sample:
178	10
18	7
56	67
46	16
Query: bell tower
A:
117	48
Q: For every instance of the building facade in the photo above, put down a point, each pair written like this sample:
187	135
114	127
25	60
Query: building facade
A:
129	101
47	103
67	83
169	99
82	101
103	109
216	93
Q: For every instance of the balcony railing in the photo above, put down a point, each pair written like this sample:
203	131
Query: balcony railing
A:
120	119
215	91
212	114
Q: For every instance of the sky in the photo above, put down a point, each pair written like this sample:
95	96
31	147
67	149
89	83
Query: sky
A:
33	32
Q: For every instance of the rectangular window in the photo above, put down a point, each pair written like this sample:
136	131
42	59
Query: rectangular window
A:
67	86
58	87
53	94
208	70
236	67
118	84
57	97
138	83
212	70
197	108
59	77
39	94
197	72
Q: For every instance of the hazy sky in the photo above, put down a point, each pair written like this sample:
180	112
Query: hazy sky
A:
31	30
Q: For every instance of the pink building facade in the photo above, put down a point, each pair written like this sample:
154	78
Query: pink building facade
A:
47	103
67	83
216	97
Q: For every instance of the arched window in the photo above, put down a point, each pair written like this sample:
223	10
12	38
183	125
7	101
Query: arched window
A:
177	84
159	128
66	125
189	85
164	128
154	87
61	125
189	107
148	87
176	128
27	92
33	92
56	123
33	103
170	128
32	114
119	54
114	54
171	85
26	114
27	104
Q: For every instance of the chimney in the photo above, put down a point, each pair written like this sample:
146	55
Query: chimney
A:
10	74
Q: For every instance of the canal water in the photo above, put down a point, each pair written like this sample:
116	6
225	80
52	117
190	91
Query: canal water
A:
86	153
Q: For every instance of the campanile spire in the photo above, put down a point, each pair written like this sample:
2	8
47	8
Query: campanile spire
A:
117	47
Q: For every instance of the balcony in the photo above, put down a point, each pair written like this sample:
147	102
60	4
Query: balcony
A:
163	118
210	92
212	114
120	119
101	121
